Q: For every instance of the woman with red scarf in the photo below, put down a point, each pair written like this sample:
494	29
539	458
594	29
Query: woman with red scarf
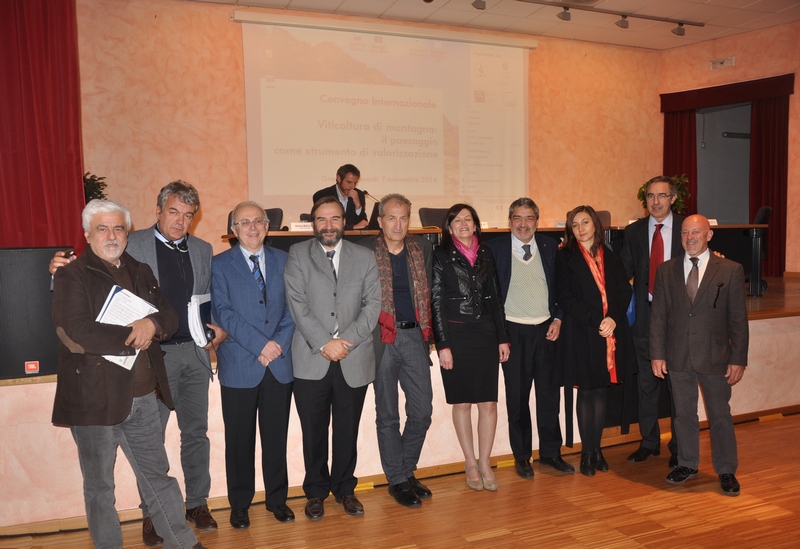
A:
595	348
471	336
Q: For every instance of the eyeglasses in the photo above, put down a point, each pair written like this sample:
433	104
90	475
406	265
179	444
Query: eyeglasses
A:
660	196
245	223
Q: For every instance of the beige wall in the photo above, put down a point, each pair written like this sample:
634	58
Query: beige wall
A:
162	88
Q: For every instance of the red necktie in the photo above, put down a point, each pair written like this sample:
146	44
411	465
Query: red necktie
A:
656	256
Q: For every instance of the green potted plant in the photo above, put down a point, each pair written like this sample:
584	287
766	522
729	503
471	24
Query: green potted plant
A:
679	207
93	186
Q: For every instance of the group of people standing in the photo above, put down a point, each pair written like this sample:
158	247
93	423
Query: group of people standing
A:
321	323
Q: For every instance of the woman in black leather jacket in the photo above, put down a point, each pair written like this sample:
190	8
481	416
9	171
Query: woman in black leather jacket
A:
471	336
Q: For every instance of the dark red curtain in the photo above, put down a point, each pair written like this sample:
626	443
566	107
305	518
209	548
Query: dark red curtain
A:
769	147
41	182
769	169
680	150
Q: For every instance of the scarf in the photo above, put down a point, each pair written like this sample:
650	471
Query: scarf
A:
421	294
599	275
470	253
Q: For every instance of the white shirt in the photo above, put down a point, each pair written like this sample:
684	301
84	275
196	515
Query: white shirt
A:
343	200
261	260
336	256
701	265
666	235
516	247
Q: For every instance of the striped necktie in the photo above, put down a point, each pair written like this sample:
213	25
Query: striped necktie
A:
330	255
257	275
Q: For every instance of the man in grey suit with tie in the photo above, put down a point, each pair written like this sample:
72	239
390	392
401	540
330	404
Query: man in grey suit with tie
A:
699	334
649	242
334	295
255	363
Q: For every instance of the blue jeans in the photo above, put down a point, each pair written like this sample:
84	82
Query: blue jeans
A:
139	436
405	362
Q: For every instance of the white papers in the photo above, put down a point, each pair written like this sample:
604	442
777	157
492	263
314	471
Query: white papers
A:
199	316
120	309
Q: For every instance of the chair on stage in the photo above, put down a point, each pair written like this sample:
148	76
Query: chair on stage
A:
433	217
274	215
763	215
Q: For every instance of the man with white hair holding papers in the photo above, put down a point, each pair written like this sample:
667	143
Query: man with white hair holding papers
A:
106	405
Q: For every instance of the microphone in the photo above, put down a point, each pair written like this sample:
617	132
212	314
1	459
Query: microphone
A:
719	287
370	196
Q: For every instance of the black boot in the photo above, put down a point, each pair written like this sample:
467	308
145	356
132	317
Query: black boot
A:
587	465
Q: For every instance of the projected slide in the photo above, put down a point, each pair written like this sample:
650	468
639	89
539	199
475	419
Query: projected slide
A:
438	121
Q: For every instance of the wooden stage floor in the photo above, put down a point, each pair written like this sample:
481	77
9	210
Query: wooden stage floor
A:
782	298
630	506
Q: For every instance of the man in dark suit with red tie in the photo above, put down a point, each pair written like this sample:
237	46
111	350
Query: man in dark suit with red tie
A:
699	334
351	199
648	243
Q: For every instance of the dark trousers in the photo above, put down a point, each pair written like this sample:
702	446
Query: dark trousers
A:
530	362
716	397
649	391
316	401
270	401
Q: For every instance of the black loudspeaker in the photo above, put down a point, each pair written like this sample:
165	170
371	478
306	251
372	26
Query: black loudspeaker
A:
28	342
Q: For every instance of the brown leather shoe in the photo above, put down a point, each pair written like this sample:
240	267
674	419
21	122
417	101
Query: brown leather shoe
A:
315	509
201	518
351	505
149	536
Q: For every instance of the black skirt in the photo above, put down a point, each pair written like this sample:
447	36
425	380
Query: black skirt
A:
476	362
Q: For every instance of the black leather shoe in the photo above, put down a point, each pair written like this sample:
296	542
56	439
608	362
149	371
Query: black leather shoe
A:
587	465
315	509
240	518
404	495
643	453
729	484
282	512
558	464
351	505
681	474
673	461
523	468
599	461
420	489
149	536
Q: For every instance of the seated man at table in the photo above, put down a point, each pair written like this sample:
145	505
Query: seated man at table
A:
352	199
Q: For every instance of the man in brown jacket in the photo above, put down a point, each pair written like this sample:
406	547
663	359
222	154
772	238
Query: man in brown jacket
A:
107	405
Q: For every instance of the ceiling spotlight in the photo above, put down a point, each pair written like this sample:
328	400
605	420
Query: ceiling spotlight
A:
479	4
622	23
565	15
679	30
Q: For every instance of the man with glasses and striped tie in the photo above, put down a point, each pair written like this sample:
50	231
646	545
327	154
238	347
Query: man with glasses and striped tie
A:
254	363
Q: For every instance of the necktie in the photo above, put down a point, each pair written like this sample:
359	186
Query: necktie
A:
656	256
257	275
691	280
527	249
330	255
